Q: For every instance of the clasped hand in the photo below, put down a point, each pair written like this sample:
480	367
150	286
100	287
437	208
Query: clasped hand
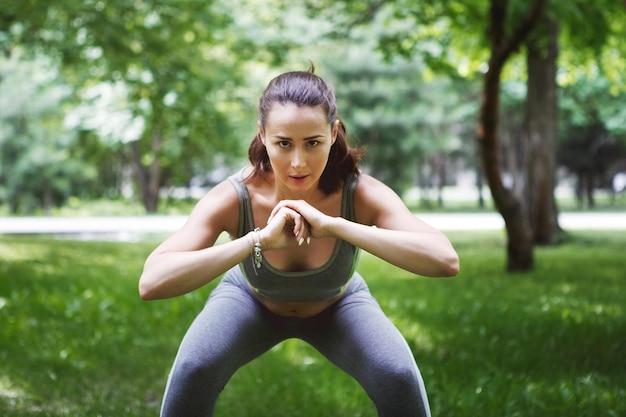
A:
293	219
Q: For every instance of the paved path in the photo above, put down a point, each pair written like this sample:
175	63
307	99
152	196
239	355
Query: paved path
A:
494	221
127	227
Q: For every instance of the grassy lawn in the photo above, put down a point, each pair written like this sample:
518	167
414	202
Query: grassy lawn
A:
76	340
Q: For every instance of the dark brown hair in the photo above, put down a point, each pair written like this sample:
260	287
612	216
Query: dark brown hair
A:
304	88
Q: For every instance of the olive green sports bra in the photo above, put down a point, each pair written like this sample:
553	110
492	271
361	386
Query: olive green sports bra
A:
319	284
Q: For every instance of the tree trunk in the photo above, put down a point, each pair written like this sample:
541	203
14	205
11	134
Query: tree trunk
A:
519	245
479	183
148	177
540	133
440	167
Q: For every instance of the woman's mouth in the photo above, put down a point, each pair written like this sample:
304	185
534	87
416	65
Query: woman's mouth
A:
298	178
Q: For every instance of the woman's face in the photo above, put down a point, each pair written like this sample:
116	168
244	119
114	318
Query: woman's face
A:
298	142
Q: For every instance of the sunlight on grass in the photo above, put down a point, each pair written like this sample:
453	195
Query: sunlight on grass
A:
293	379
11	252
76	340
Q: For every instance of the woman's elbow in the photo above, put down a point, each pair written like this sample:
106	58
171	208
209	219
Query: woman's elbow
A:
146	289
451	266
451	270
445	266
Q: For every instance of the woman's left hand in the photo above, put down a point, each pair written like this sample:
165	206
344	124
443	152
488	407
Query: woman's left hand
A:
313	217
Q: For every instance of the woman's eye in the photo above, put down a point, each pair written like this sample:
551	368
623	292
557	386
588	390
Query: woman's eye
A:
284	144
313	143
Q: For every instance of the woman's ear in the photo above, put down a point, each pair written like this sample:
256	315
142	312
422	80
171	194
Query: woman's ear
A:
261	132
335	131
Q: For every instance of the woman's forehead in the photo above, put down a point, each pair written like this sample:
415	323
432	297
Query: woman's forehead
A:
290	113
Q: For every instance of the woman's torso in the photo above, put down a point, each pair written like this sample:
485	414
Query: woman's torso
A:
289	277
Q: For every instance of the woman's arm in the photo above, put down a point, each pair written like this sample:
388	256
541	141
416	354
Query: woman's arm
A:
398	237
425	252
169	273
188	259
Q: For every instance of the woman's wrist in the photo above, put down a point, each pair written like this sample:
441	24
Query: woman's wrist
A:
333	226
255	247
261	236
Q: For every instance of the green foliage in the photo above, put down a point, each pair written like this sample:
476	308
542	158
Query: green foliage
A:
593	36
170	85
588	101
408	117
75	339
592	131
38	167
161	78
178	67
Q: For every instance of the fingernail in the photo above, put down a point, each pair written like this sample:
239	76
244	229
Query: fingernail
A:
308	240
301	241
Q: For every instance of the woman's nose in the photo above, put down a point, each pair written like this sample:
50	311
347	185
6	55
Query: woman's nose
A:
298	159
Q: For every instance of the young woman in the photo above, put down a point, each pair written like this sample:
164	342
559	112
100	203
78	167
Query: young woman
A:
297	218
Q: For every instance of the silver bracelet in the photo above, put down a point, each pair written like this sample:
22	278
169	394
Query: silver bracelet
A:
257	256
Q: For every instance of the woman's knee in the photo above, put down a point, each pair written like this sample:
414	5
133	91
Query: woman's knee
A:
400	392
201	370
399	374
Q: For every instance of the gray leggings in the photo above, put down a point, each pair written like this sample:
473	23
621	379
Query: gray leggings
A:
234	328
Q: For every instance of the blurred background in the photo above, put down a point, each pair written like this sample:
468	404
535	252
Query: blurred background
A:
128	111
144	102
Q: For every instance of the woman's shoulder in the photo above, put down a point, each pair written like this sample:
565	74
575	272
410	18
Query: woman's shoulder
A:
219	208
368	186
373	198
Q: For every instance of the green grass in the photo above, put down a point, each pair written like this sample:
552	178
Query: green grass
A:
76	340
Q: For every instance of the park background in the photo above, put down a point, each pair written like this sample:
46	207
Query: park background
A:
134	108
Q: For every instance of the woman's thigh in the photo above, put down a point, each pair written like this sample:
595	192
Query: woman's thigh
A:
233	328
359	338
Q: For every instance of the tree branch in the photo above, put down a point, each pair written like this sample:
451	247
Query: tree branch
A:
367	15
507	46
497	23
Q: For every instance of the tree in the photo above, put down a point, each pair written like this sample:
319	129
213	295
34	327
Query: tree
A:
36	170
592	137
541	131
411	125
437	31
507	30
588	29
504	41
592	140
175	60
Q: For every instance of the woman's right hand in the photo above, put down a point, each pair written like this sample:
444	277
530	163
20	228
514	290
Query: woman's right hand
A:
283	228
